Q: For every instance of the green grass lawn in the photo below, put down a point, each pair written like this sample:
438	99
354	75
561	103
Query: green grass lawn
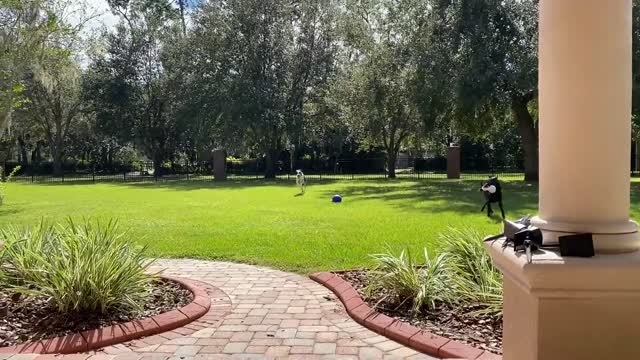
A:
266	223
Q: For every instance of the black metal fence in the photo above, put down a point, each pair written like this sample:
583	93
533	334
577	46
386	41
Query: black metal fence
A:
342	169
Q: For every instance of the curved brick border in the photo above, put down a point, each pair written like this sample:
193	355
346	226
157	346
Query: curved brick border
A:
399	331
119	333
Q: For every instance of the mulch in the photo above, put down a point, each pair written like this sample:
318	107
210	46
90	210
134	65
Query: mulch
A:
30	318
455	323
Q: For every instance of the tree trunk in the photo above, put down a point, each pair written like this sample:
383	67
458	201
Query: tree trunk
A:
57	161
5	114
3	173
391	164
36	154
24	155
270	164
157	165
529	136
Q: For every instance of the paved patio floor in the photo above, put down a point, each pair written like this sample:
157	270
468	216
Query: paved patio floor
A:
256	313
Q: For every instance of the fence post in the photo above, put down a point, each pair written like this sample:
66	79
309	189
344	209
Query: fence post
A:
63	176
124	175
93	174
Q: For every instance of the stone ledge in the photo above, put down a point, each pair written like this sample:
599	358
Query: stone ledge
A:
551	275
119	333
397	330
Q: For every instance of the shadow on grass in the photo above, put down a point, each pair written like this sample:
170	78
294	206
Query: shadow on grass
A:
430	195
4	211
437	196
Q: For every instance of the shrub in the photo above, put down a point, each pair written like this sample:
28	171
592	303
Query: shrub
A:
462	273
81	268
474	278
3	185
421	286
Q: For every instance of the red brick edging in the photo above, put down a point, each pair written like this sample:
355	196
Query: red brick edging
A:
397	330
119	333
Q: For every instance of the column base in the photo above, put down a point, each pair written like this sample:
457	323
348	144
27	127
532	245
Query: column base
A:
607	238
569	308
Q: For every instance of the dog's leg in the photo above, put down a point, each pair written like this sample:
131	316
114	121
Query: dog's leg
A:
489	210
501	209
483	206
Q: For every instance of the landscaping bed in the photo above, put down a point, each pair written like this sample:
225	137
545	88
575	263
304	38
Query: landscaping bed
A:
29	318
459	323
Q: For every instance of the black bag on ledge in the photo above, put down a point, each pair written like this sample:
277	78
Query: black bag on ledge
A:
527	238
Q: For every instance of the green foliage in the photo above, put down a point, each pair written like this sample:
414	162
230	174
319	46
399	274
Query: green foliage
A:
55	104
26	28
474	278
257	76
88	267
3	183
418	285
126	86
478	63
462	273
378	85
270	60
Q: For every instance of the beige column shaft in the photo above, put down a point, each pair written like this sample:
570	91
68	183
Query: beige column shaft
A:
585	120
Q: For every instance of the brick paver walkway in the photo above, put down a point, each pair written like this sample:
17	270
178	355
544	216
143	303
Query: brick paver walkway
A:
256	313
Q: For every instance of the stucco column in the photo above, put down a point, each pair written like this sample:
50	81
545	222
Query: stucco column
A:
559	308
585	121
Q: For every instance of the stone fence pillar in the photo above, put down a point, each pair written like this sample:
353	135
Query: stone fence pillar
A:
453	162
220	165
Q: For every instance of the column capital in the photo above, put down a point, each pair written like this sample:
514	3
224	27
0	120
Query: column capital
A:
608	237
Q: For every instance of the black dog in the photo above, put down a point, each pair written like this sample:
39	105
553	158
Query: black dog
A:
492	191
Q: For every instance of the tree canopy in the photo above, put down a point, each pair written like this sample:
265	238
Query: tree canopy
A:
271	80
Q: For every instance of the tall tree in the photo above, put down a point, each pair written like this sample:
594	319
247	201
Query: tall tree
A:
380	38
55	104
127	85
492	48
25	26
277	53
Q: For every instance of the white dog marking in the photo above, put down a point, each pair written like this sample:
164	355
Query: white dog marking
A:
301	181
